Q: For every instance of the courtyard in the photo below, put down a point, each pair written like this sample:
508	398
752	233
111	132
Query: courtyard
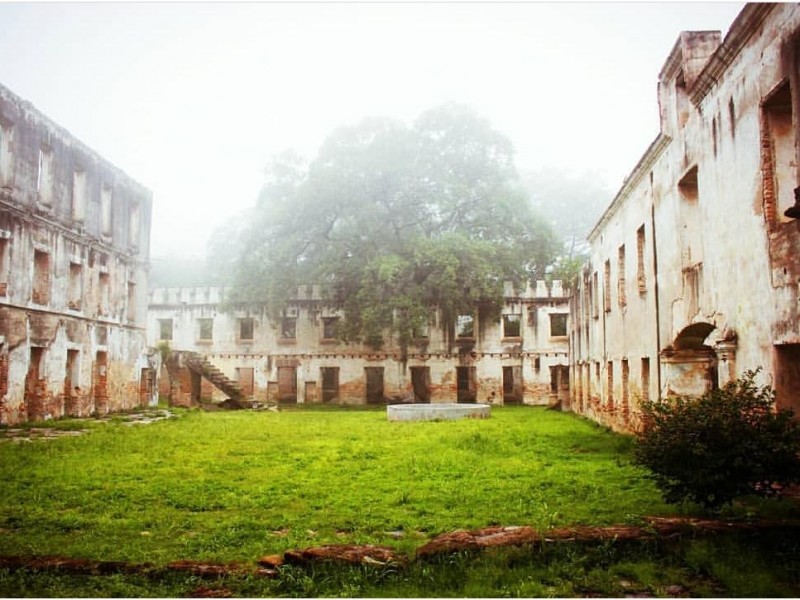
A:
232	487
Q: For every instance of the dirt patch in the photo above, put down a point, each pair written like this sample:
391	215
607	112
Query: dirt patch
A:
27	434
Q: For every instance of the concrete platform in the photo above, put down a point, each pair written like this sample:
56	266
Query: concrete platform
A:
437	412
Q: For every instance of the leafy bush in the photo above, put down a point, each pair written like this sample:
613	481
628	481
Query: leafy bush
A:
727	443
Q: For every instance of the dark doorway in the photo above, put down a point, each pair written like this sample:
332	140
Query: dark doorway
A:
34	386
330	383
787	376
101	383
466	384
147	386
287	385
374	378
559	382
245	379
421	383
512	385
71	381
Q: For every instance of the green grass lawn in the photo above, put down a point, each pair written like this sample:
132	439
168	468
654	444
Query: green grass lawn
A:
234	486
238	485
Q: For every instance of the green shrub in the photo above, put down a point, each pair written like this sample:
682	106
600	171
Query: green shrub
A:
727	443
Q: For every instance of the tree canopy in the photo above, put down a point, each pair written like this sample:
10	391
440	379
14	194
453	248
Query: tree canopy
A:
394	221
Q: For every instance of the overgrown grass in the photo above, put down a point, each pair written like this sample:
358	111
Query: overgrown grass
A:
237	485
233	486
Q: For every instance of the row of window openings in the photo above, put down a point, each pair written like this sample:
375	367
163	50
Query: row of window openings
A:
45	186
622	293
465	328
777	119
40	290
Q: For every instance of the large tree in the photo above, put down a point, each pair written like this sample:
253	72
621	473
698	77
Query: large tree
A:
396	222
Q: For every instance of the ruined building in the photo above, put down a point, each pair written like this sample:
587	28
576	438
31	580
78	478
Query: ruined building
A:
694	269
520	358
74	244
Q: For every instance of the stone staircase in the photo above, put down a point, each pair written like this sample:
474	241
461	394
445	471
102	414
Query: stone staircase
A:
203	367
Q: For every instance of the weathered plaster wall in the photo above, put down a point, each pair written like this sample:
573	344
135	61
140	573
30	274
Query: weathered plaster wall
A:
73	273
710	194
532	354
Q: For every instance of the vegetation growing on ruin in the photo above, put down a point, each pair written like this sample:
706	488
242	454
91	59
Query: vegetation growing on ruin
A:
392	221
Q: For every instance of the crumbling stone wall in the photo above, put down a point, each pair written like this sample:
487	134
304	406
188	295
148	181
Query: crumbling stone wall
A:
708	285
74	239
271	356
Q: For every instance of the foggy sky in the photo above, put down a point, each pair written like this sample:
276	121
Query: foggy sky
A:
193	99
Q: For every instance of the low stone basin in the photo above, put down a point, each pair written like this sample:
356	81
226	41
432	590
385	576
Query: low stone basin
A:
437	412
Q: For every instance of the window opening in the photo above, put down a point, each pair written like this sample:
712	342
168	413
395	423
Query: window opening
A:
512	326
778	154
288	328
246	327
79	196
105	210
329	326
640	267
465	326
206	329
44	176
131	302
104	281
558	324
133	225
75	286
165	329
41	277
6	154
690	219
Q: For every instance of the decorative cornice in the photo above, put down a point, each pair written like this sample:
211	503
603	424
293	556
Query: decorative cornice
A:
745	25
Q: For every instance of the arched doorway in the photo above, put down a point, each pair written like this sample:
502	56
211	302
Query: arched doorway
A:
690	365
